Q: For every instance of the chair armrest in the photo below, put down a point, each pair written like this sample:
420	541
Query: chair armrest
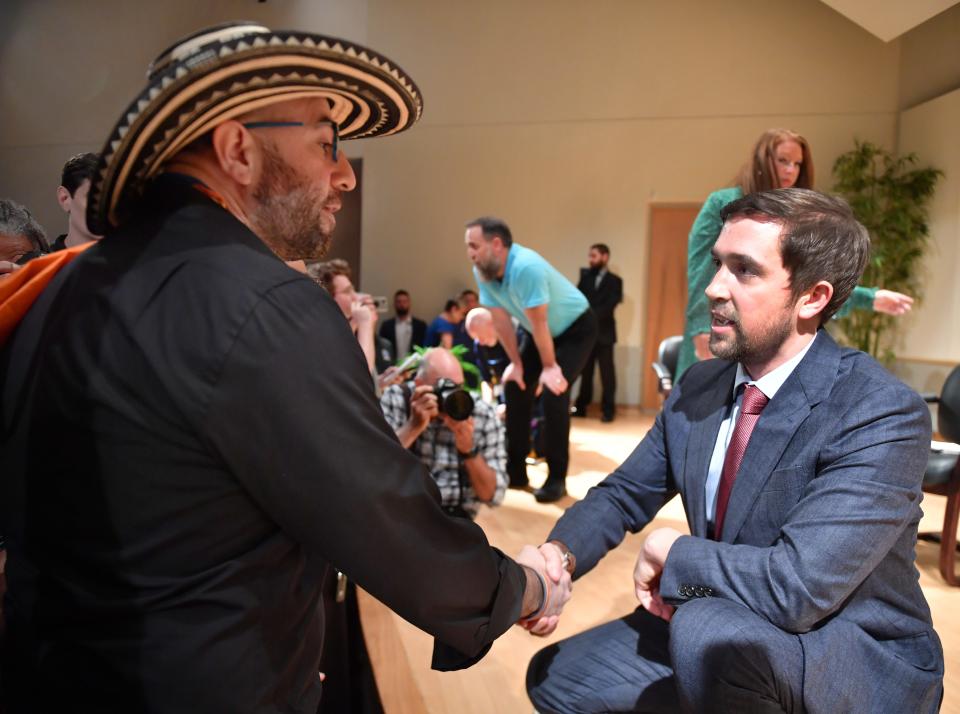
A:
661	371
664	378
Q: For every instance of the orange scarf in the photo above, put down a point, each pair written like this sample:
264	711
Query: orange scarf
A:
19	290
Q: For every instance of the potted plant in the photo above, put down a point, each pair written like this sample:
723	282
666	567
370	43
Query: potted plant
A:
889	196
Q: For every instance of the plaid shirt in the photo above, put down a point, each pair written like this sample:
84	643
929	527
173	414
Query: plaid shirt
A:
438	452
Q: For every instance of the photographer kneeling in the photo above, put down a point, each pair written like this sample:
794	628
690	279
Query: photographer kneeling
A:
459	439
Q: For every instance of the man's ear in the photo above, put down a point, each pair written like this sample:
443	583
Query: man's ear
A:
237	152
815	300
64	198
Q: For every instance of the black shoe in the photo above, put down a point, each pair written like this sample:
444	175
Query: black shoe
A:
607	418
523	485
551	491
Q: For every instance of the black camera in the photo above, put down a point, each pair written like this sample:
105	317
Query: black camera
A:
453	400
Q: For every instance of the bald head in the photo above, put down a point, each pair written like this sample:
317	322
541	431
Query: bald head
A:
439	363
480	326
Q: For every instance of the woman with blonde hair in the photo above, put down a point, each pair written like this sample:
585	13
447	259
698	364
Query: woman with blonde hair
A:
781	159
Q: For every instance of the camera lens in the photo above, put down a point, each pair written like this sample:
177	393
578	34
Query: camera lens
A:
458	404
453	399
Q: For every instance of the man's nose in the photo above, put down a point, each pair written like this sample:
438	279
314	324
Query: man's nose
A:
717	290
343	178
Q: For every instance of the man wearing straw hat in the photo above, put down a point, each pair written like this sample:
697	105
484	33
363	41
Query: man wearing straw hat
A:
219	443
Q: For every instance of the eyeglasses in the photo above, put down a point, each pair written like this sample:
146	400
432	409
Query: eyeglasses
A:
28	256
332	147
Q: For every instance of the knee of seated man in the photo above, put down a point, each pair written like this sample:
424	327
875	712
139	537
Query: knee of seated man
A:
717	636
540	692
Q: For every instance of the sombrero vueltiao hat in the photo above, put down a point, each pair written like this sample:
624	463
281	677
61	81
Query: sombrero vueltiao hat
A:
222	72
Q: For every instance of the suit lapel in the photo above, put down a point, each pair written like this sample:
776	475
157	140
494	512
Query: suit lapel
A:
705	424
810	382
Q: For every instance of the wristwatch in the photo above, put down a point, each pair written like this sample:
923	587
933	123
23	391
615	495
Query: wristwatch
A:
568	558
464	455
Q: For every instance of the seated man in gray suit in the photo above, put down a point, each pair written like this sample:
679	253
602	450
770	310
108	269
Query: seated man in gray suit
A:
799	464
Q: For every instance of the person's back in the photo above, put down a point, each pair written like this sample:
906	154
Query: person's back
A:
190	434
135	520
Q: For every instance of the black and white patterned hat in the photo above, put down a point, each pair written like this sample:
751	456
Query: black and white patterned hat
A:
222	72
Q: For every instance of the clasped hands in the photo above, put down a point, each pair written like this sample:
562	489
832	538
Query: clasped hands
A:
547	561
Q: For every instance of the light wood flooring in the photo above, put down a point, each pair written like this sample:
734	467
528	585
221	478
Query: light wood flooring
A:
401	653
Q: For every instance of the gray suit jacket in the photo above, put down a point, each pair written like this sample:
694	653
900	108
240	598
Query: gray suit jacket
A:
820	530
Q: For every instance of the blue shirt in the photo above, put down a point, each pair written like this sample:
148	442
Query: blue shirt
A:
440	326
530	281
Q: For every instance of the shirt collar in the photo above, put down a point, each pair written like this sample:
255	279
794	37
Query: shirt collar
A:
771	382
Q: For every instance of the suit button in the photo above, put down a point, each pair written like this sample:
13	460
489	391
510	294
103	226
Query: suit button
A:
708	592
682	591
698	591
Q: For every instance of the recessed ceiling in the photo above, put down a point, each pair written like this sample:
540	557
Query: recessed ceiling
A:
888	19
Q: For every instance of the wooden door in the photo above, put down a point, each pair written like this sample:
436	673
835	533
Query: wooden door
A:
666	286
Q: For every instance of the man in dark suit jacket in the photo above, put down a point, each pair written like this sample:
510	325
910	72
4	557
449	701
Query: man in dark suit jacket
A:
413	331
604	291
796	590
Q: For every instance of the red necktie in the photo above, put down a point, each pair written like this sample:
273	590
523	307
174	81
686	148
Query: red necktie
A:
753	403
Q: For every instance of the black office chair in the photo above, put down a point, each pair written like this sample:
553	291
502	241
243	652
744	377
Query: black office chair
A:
666	365
942	476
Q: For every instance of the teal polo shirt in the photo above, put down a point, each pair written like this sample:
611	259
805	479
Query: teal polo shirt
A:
529	281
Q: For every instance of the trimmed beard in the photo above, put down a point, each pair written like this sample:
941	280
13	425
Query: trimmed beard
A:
751	349
488	269
289	216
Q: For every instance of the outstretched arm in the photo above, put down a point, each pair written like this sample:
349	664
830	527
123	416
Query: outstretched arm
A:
551	376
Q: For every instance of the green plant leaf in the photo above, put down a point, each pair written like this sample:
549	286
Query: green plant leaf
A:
889	196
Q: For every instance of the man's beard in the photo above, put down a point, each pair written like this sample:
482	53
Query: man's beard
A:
402	311
489	269
750	349
289	216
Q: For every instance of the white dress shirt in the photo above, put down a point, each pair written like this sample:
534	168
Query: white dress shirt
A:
404	333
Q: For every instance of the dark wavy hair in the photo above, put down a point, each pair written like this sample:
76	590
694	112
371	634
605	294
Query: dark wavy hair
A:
820	239
493	228
78	169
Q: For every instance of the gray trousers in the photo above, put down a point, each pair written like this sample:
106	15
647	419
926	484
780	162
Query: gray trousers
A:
713	656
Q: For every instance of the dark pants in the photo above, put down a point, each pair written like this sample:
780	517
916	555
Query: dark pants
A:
571	347
603	356
713	656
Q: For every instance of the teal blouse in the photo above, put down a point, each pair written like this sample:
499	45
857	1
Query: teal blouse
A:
703	234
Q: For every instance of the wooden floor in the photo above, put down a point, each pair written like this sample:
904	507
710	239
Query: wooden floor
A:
401	653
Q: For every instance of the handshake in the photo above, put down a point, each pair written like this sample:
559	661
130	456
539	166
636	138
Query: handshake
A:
553	567
553	564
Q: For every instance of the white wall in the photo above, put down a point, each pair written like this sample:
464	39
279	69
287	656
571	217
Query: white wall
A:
69	69
930	130
566	118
